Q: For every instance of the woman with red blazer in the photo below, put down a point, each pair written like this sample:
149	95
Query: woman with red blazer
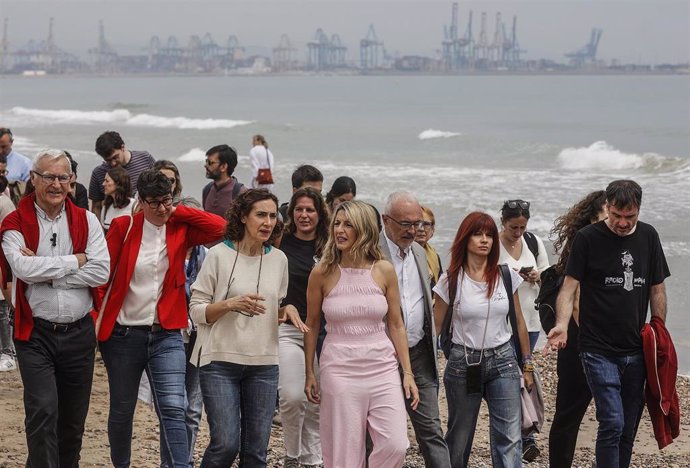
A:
142	309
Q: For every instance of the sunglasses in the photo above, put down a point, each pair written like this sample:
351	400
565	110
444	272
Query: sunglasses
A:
512	204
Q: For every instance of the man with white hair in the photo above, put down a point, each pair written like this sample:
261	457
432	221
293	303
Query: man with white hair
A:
402	218
56	254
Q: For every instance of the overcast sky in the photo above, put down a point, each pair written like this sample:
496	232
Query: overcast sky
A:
642	31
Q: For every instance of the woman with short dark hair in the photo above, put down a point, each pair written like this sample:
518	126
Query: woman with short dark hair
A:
236	306
142	310
343	189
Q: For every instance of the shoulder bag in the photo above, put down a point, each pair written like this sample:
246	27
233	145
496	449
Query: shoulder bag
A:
264	176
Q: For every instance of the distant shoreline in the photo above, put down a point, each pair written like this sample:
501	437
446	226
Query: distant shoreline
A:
235	74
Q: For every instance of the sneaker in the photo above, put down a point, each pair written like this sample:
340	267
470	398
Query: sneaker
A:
530	452
7	363
290	463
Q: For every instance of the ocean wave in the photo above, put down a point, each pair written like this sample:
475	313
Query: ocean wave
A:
123	117
431	134
602	156
199	155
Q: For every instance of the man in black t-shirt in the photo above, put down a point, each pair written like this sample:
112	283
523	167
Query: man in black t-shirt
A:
620	268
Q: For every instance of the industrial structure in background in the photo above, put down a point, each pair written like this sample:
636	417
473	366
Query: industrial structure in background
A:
464	49
587	55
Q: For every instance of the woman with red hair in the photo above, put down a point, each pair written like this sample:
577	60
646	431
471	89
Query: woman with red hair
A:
482	362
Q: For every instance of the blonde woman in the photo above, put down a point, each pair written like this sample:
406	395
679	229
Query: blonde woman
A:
360	381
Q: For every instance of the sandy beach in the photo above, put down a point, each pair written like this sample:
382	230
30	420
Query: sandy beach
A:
145	453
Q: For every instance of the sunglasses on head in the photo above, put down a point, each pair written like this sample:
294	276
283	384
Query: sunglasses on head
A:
512	204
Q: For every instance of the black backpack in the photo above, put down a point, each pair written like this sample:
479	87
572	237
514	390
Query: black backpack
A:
545	302
532	244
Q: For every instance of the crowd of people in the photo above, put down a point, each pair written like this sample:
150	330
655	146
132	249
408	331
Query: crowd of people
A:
322	308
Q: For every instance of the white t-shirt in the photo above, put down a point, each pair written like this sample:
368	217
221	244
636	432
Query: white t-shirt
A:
112	213
528	291
471	300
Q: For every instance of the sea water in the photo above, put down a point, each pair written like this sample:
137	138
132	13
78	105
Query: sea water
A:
460	143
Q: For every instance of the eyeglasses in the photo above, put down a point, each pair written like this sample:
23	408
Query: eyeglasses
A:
50	178
155	204
512	204
406	225
172	180
210	163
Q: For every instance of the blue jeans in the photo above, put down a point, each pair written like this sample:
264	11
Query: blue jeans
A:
126	354
500	387
195	405
617	385
239	404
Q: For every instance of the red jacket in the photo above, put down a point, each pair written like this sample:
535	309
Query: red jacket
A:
660	393
186	228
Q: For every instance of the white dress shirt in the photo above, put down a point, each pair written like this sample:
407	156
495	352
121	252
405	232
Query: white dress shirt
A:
411	291
57	289
146	285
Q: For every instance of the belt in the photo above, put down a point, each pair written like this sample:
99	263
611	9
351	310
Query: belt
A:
156	327
60	327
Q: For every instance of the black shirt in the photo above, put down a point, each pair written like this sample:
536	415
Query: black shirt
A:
615	275
300	255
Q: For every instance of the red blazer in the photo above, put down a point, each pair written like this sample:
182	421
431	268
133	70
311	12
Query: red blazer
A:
660	392
186	228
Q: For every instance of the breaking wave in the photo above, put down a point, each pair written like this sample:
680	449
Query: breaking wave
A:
199	155
602	156
122	117
431	134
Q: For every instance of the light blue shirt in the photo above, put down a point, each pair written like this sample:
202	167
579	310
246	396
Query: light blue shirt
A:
18	166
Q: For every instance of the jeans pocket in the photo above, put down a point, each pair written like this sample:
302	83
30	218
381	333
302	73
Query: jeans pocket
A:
120	332
507	366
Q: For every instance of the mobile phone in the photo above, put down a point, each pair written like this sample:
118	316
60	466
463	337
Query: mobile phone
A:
525	270
473	382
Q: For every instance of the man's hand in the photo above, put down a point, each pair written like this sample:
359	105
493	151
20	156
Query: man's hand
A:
81	258
557	339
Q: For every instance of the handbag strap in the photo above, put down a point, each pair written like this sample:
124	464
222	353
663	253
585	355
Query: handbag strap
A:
110	286
268	159
448	319
508	283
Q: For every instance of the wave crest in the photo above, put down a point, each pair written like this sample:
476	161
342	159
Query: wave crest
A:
123	117
431	134
600	155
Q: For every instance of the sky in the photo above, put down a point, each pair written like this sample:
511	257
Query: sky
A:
634	31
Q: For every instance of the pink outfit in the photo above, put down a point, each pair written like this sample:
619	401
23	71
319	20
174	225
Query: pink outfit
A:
360	385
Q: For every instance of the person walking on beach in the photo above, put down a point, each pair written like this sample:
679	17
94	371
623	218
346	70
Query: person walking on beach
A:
620	267
402	218
422	237
145	310
360	387
56	254
482	363
111	147
18	165
218	195
572	392
261	159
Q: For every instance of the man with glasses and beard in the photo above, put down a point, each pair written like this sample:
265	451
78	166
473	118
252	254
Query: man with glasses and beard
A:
402	218
217	195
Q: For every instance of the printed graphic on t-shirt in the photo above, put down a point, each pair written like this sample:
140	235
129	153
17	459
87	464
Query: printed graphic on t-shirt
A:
627	281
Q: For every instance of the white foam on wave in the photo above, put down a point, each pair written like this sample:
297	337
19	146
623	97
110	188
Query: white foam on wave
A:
602	156
123	117
431	134
199	155
193	155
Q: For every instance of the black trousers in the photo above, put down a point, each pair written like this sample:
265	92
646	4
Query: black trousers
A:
572	399
57	371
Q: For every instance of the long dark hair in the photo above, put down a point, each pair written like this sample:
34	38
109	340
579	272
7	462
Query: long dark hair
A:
321	210
242	206
123	188
473	223
565	227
